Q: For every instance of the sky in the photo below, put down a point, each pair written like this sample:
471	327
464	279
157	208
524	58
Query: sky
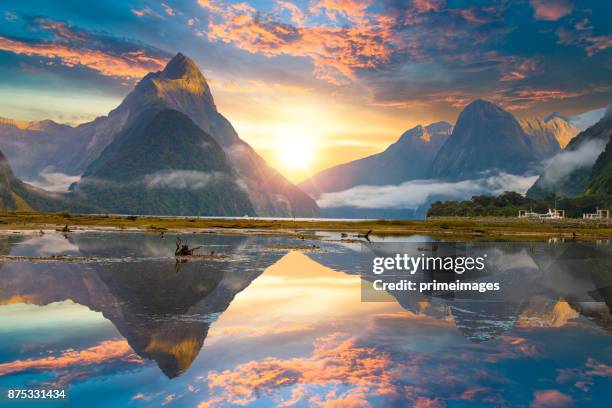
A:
340	78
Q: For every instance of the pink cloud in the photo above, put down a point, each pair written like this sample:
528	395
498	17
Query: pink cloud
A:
551	10
423	6
551	399
169	10
592	44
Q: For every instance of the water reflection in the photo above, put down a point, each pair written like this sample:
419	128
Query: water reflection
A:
272	327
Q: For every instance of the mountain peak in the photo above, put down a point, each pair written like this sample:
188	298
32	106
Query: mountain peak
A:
481	104
556	115
180	66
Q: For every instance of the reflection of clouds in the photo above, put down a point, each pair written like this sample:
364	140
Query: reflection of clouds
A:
352	373
48	244
345	370
583	377
258	331
426	361
104	352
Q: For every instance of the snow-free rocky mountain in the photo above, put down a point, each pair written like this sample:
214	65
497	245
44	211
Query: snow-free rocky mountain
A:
408	158
181	87
488	138
544	133
485	140
583	120
163	163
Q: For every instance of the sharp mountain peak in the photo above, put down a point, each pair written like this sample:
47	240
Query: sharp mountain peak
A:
180	66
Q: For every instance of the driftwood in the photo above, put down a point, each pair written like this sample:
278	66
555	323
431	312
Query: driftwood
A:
366	235
183	249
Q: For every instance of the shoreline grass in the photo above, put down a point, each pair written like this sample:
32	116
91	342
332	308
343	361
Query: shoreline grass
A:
444	227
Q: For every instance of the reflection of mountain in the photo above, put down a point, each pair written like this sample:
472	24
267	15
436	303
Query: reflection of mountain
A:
484	321
576	273
164	315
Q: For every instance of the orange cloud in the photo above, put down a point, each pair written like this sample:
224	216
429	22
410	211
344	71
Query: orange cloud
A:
336	52
352	10
336	361
103	352
126	65
297	15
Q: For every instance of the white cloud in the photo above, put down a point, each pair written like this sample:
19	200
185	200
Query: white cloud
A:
54	181
413	194
564	163
182	179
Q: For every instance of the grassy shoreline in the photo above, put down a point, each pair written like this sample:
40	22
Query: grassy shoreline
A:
447	227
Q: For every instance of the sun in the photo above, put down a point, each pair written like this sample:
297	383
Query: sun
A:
295	153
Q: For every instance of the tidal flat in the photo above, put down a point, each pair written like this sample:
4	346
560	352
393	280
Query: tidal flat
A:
451	228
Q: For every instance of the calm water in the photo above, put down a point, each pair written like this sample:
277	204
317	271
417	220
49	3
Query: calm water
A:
267	326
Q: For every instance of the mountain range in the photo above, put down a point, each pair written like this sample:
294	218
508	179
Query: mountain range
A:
582	121
406	159
487	151
251	185
485	138
166	149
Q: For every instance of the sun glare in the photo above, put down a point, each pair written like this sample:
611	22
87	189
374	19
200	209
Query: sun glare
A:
295	153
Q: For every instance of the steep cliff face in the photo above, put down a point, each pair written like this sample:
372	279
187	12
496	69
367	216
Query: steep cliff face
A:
163	164
485	138
569	173
600	181
549	136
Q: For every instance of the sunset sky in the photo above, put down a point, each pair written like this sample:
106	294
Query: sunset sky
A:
346	76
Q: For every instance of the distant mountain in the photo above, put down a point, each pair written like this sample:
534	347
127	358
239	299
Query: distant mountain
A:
549	136
17	195
583	120
163	164
409	158
600	181
182	87
30	145
485	138
569	173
